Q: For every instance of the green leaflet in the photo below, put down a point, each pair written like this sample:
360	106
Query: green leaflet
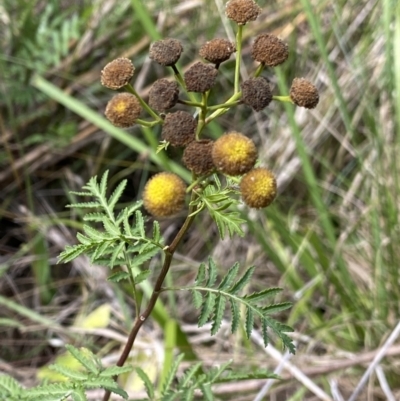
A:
107	238
213	302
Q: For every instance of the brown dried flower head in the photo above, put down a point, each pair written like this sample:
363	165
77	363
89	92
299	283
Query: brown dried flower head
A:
304	94
164	195
123	110
179	128
242	11
166	52
234	154
256	93
117	73
200	77
269	50
163	95
197	157
258	188
217	50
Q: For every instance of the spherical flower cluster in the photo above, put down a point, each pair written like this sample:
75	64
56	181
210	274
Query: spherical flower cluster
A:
123	110
197	157
256	93
163	95
258	188
217	50
234	154
117	73
200	77
179	128
269	50
304	94
242	11
164	195
166	52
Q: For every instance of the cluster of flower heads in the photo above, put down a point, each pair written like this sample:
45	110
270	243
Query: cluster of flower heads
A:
233	154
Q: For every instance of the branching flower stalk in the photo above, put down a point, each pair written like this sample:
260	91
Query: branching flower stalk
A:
221	170
142	317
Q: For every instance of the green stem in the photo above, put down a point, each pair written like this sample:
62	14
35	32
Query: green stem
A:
181	82
259	70
201	123
148	124
224	105
235	97
286	99
132	90
189	103
132	281
238	56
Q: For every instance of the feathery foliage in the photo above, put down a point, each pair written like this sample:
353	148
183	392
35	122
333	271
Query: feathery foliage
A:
213	303
194	378
217	201
117	241
92	375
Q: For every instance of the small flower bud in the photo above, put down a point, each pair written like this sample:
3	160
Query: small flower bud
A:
217	50
256	93
164	195
242	11
234	154
304	94
200	77
163	95
123	110
166	52
269	50
179	128
258	188
117	73
197	157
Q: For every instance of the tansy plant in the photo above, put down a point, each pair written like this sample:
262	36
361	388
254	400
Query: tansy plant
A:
224	173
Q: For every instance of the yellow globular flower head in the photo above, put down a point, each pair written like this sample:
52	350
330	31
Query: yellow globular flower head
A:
164	195
123	110
258	188
117	73
234	154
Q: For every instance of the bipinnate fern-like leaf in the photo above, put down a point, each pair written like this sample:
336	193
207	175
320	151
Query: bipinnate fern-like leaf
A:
92	375
213	301
218	201
109	239
196	378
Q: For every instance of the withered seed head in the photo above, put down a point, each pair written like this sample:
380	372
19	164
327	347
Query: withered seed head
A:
179	128
200	77
117	73
256	93
304	94
242	11
123	110
197	157
258	188
234	154
269	50
166	52
163	95
217	50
